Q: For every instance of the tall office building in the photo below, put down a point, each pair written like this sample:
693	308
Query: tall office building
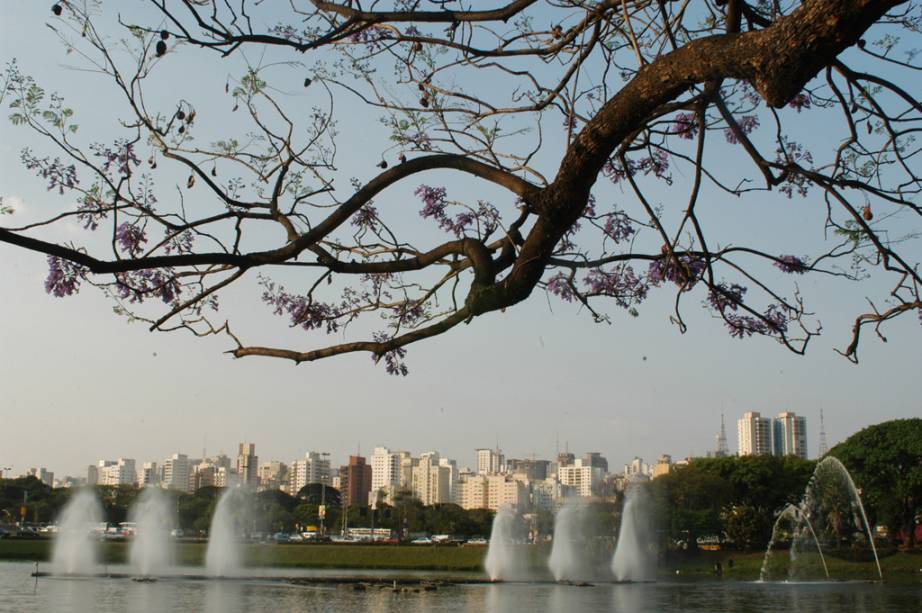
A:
247	465
754	434
789	435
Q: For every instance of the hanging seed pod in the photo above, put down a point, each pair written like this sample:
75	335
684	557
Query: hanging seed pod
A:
861	43
307	82
164	35
181	129
417	47
866	213
236	106
870	127
214	171
161	48
382	164
403	158
151	161
57	9
424	102
557	31
190	182
180	115
226	87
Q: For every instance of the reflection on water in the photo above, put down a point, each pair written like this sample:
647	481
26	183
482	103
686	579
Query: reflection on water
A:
65	595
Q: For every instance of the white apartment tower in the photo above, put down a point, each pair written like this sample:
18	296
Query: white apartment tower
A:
385	473
248	464
790	435
489	461
314	468
754	434
176	473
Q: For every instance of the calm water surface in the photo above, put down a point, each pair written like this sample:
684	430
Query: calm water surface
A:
20	593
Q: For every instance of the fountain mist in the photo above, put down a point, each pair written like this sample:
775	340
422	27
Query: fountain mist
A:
151	550
75	544
222	558
504	561
569	560
632	560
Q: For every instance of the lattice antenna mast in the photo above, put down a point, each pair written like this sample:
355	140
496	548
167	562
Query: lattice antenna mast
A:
722	449
824	445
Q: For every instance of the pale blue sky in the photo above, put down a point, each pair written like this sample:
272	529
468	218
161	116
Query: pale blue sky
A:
81	384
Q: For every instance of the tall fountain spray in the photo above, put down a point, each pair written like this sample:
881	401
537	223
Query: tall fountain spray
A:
75	544
633	560
151	550
504	560
223	556
569	560
830	520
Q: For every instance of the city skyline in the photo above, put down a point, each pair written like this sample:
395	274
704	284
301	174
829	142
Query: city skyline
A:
482	459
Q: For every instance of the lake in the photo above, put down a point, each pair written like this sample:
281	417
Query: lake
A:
21	593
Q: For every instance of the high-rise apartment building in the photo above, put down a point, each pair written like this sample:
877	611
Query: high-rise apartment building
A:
355	482
662	467
636	469
43	475
248	465
431	482
272	475
490	461
582	478
385	474
149	474
781	436
533	470
789	435
177	472
754	433
314	468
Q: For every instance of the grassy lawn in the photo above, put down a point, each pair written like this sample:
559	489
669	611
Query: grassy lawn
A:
409	557
746	566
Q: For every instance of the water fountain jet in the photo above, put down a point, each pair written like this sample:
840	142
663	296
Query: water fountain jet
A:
632	560
504	561
151	551
223	556
74	549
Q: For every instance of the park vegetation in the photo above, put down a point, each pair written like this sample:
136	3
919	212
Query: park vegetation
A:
732	501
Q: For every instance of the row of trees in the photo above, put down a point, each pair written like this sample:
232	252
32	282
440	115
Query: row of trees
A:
268	511
741	497
736	497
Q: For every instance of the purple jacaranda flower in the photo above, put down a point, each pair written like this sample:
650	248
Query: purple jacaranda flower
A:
64	277
791	264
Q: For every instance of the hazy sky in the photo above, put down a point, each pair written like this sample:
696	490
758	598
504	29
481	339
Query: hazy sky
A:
79	383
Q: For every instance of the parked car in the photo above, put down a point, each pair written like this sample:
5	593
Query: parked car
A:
421	541
281	537
478	540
